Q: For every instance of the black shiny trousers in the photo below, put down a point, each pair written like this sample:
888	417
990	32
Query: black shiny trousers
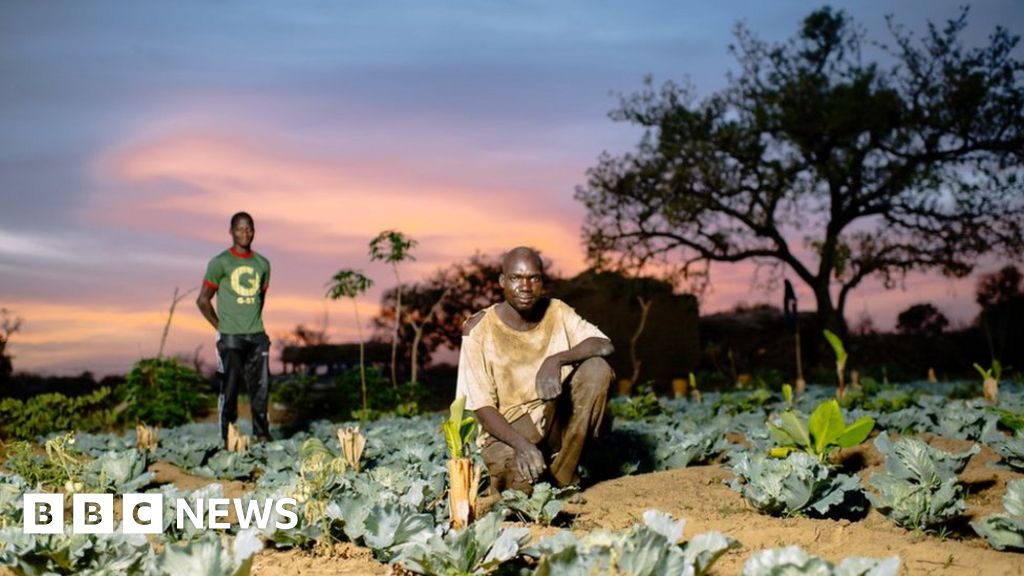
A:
244	360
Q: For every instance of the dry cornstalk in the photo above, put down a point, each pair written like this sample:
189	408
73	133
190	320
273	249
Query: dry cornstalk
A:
352	443
463	484
237	442
146	438
931	376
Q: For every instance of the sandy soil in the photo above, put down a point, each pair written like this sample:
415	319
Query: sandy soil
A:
699	495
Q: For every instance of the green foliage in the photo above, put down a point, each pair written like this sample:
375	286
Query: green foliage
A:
211	555
12	491
919	487
888	400
64	553
1008	418
837	348
391	246
787	395
340	399
480	548
348	284
540	507
47	413
677	449
117	472
60	463
1005	531
740	402
643	405
1010	450
650	549
995	372
821	434
458	430
798	483
163	391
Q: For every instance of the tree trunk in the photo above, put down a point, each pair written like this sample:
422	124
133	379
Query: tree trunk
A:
829	318
645	309
417	337
398	328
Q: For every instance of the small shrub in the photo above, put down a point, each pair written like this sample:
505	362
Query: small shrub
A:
163	391
47	413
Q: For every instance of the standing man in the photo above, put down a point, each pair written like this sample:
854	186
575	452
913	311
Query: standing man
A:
533	372
239	277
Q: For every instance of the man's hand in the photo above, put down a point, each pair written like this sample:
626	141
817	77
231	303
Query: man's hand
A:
549	379
529	463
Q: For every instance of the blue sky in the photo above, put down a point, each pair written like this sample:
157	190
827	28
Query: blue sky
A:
132	130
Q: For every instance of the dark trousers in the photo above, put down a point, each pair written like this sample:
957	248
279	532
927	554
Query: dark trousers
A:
571	419
245	360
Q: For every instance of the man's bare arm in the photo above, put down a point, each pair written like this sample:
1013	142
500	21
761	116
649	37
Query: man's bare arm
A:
590	348
549	376
205	304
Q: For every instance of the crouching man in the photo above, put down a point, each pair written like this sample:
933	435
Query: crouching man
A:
533	372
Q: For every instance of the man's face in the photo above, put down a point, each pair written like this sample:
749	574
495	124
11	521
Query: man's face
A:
242	233
523	283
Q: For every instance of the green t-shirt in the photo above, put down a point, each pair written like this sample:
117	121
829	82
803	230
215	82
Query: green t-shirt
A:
240	281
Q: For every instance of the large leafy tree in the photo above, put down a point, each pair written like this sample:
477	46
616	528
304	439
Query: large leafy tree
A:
816	160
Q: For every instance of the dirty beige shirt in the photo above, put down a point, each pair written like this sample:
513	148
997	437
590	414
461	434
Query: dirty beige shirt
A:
498	365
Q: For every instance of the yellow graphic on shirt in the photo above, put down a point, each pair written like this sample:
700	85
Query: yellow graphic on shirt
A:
246	283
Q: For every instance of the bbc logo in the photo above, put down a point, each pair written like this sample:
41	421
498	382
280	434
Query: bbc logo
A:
144	513
93	514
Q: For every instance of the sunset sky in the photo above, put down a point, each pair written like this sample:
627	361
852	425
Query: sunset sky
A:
131	131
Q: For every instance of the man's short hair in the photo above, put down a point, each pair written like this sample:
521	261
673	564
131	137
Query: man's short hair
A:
522	251
239	215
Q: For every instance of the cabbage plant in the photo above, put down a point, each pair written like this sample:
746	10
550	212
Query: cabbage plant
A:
540	507
650	549
796	484
919	487
1011	451
1005	531
477	549
794	560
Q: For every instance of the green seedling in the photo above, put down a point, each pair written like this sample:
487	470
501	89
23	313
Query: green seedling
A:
990	377
458	430
994	373
841	357
821	434
787	394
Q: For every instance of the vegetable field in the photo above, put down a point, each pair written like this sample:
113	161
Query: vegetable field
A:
902	480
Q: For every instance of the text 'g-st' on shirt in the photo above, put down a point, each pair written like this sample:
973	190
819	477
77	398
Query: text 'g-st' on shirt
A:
240	280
